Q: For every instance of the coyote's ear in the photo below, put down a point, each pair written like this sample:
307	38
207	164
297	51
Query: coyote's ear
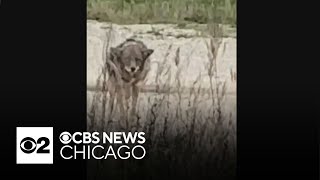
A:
147	53
115	52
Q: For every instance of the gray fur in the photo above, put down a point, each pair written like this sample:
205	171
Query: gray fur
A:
129	65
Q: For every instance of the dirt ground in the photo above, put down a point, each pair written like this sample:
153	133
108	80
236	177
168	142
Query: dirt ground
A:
187	113
179	53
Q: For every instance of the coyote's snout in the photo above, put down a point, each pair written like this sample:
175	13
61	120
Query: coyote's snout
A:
128	64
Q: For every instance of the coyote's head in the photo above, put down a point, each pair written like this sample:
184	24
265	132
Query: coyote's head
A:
131	56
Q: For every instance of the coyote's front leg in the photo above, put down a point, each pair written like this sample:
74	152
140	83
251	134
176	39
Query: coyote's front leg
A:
121	103
135	94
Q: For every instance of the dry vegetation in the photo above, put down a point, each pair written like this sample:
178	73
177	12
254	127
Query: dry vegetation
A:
186	130
162	11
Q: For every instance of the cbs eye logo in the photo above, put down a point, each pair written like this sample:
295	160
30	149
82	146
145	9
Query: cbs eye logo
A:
34	145
28	145
65	137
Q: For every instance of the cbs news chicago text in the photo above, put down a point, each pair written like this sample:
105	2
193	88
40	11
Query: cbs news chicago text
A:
118	145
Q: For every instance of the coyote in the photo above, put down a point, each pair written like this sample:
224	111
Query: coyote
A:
128	65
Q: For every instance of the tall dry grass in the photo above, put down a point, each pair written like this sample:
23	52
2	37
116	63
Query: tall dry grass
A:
162	11
186	129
